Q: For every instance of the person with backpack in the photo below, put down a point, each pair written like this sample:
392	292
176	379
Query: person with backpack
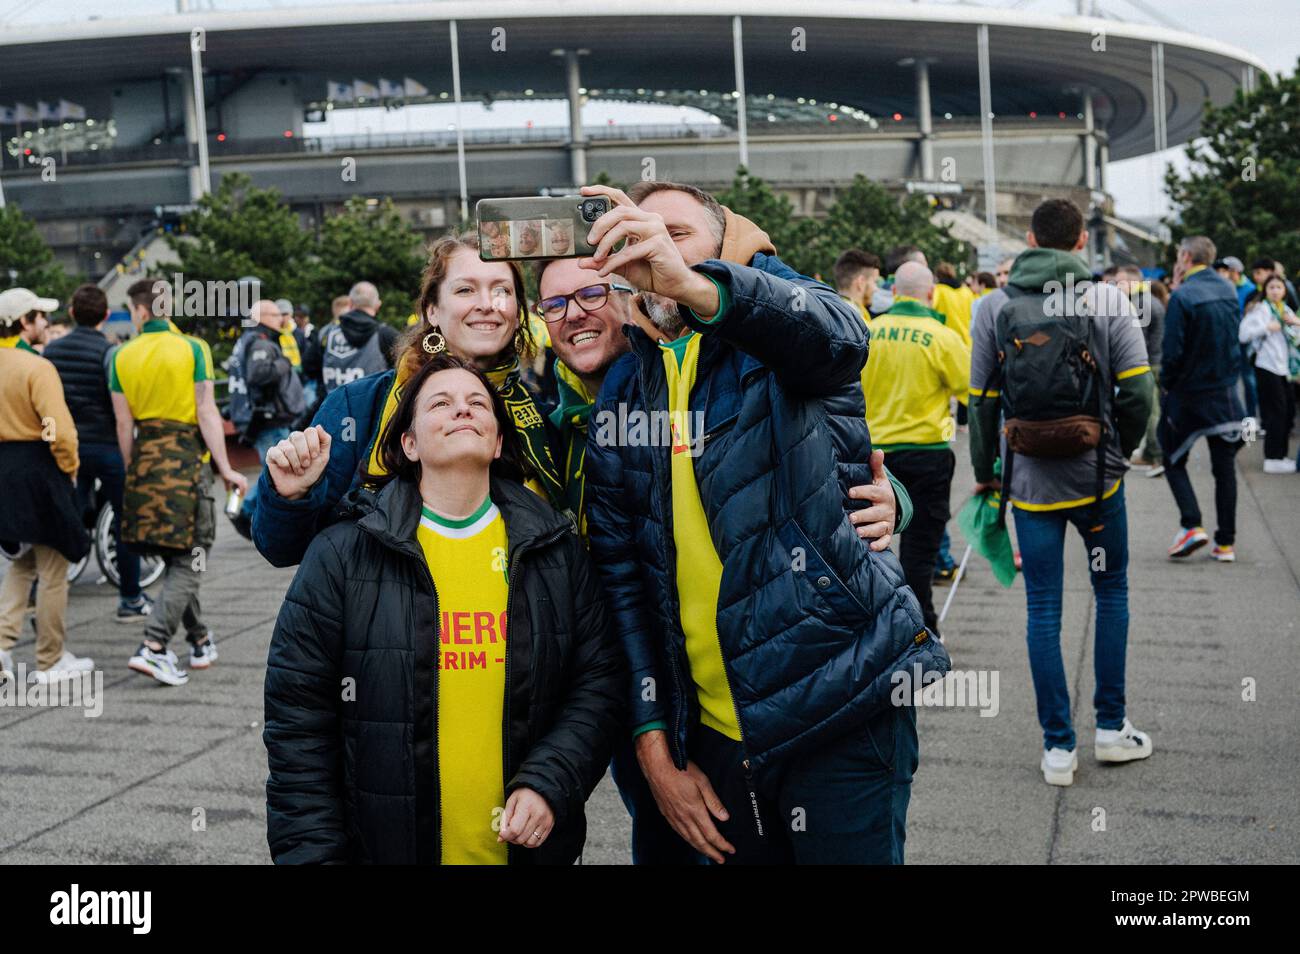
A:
1063	360
359	344
266	395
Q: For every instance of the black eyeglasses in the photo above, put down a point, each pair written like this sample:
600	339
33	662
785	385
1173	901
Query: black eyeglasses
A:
588	298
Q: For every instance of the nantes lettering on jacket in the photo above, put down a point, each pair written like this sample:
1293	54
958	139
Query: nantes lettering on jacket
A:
639	428
103	907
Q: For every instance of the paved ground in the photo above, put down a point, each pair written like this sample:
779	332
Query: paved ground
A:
124	787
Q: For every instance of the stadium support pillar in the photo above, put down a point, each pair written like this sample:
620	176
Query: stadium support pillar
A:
986	135
923	118
577	142
454	36
1158	107
738	54
196	121
1089	143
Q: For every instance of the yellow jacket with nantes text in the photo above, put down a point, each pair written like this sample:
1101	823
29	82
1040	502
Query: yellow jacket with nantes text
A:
915	365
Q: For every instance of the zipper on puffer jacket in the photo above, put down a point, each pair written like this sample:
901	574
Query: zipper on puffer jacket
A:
679	754
437	705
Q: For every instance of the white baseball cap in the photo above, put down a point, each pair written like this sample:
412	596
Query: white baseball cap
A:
17	302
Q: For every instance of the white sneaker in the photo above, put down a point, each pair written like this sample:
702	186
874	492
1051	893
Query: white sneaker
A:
67	666
204	654
161	666
1122	745
1283	466
6	666
1058	766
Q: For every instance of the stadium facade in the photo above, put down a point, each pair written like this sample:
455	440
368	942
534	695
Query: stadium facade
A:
103	137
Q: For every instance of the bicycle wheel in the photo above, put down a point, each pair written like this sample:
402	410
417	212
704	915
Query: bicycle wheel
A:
151	567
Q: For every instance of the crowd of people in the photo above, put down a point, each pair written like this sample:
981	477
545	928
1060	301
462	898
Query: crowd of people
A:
644	523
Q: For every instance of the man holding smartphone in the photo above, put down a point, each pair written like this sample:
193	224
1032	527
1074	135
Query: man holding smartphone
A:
762	633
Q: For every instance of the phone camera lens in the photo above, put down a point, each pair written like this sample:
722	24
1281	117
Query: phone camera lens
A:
590	211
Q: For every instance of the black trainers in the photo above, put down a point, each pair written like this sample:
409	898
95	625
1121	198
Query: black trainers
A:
135	612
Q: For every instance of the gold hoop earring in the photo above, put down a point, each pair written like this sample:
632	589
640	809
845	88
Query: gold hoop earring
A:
434	342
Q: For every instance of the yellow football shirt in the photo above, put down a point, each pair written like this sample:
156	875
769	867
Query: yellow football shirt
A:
467	560
156	371
699	571
915	365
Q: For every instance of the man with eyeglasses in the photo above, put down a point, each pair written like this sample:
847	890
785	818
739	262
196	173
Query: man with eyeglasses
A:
588	316
584	313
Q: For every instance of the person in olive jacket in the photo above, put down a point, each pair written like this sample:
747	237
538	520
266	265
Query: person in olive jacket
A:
401	725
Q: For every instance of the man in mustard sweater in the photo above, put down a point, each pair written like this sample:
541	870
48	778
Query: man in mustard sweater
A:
915	366
40	523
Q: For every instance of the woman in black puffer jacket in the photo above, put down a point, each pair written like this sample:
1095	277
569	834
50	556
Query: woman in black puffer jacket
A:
394	739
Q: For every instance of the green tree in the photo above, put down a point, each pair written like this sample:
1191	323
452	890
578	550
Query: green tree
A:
867	216
239	231
1243	185
370	242
753	198
26	261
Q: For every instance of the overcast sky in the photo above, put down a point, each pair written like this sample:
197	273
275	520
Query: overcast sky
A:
1266	28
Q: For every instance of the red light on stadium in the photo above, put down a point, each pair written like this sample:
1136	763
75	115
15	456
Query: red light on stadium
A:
221	137
1060	115
833	118
288	134
27	152
1033	115
898	117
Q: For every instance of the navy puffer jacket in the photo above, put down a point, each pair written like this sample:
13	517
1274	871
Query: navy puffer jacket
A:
812	622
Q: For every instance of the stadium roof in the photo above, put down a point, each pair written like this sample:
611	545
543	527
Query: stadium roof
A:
852	53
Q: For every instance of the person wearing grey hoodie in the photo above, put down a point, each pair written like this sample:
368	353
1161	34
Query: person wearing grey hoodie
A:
1047	494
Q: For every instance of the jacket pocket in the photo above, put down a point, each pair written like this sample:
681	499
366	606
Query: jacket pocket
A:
880	740
719	429
816	582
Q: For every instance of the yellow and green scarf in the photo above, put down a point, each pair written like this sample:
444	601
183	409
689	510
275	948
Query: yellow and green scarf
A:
530	426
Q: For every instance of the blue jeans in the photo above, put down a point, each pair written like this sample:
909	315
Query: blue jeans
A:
944	560
1041	535
262	443
105	462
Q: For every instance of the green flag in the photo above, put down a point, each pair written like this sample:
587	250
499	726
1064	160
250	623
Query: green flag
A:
981	527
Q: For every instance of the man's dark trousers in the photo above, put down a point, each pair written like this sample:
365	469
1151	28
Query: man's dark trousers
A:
105	462
653	840
927	476
844	803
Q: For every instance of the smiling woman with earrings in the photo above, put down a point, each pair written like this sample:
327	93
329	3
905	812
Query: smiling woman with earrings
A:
470	309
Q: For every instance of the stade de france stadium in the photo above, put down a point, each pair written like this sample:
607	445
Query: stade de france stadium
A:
889	90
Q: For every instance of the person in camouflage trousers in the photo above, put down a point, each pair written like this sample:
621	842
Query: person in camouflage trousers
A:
161	383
